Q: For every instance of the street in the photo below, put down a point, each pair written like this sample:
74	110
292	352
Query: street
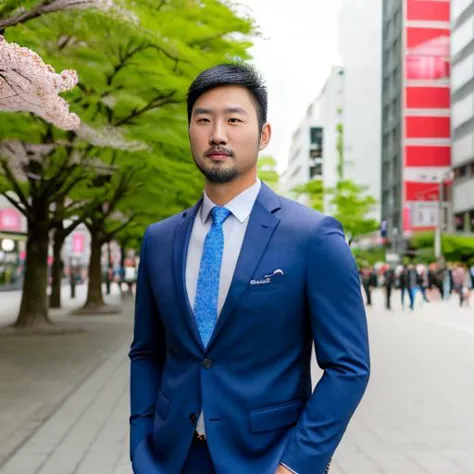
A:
65	409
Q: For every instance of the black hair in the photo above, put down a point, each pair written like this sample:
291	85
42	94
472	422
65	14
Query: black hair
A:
231	75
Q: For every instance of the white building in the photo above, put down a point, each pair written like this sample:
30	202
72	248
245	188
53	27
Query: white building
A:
360	43
462	113
313	151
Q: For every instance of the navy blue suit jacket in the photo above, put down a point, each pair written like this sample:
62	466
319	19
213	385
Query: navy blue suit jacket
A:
253	380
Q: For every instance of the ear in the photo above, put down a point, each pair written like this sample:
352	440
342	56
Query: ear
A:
265	136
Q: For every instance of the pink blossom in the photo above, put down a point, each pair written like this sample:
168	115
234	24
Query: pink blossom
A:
28	84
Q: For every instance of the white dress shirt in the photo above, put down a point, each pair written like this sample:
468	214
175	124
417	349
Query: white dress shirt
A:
234	229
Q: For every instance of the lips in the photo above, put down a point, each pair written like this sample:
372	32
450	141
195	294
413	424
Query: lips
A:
218	155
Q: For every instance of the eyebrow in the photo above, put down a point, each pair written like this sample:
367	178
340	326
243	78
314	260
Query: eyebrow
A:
228	110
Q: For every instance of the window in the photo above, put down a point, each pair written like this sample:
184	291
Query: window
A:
396	79
461	172
385	171
396	165
316	136
316	169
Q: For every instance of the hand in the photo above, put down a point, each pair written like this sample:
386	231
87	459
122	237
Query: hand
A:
283	470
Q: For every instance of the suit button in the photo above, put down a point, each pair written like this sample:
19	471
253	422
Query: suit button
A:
207	363
193	417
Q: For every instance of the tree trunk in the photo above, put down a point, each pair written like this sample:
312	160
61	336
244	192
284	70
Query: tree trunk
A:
57	270
95	298
34	299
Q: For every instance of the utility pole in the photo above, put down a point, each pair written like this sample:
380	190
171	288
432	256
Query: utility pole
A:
438	246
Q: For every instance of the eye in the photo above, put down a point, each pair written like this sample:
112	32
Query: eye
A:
235	120
203	120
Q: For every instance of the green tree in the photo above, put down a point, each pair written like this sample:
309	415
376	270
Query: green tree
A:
352	206
314	193
455	247
267	171
134	69
349	203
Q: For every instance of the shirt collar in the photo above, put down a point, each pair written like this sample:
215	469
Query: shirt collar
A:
241	206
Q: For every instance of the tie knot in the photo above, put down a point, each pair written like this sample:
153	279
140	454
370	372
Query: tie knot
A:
219	214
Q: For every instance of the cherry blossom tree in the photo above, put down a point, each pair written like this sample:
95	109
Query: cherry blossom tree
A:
27	84
131	100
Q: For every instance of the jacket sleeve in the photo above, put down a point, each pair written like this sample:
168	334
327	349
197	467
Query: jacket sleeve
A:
339	330
147	355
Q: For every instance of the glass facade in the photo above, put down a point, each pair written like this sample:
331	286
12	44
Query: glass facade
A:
391	113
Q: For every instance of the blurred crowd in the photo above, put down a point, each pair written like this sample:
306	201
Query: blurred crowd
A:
433	281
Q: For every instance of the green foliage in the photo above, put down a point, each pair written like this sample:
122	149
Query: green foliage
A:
134	71
267	171
348	201
10	7
314	192
455	247
351	205
369	256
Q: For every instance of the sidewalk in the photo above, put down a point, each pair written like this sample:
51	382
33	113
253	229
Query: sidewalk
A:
59	393
64	399
10	302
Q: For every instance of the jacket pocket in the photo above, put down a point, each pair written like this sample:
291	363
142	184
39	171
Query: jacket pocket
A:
276	417
162	406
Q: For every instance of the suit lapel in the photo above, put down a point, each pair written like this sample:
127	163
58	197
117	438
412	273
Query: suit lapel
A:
180	251
261	226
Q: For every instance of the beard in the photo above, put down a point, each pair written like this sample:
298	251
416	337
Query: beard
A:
218	173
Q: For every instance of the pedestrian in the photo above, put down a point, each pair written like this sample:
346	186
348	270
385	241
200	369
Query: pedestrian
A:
409	283
389	281
459	278
424	282
467	286
365	278
231	296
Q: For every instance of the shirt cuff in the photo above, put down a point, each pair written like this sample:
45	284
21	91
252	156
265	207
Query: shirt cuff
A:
289	468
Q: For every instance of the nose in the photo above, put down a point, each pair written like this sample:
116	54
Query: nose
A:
218	135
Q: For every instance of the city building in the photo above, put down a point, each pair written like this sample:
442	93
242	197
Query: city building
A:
416	128
360	44
12	244
462	112
13	236
313	151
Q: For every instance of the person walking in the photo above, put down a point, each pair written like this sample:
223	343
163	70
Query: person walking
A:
232	294
409	282
367	280
459	279
389	282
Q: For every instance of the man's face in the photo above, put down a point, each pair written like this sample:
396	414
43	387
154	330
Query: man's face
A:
224	134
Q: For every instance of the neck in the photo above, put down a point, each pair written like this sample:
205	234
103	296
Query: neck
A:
221	194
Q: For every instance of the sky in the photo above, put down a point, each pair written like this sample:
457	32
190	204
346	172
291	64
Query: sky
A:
297	49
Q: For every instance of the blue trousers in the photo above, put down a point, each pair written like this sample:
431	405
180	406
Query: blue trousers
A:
411	295
198	460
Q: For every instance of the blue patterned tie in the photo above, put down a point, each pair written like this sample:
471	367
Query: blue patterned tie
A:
207	293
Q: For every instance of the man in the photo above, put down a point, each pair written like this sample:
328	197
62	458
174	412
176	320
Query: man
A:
389	281
367	279
231	295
